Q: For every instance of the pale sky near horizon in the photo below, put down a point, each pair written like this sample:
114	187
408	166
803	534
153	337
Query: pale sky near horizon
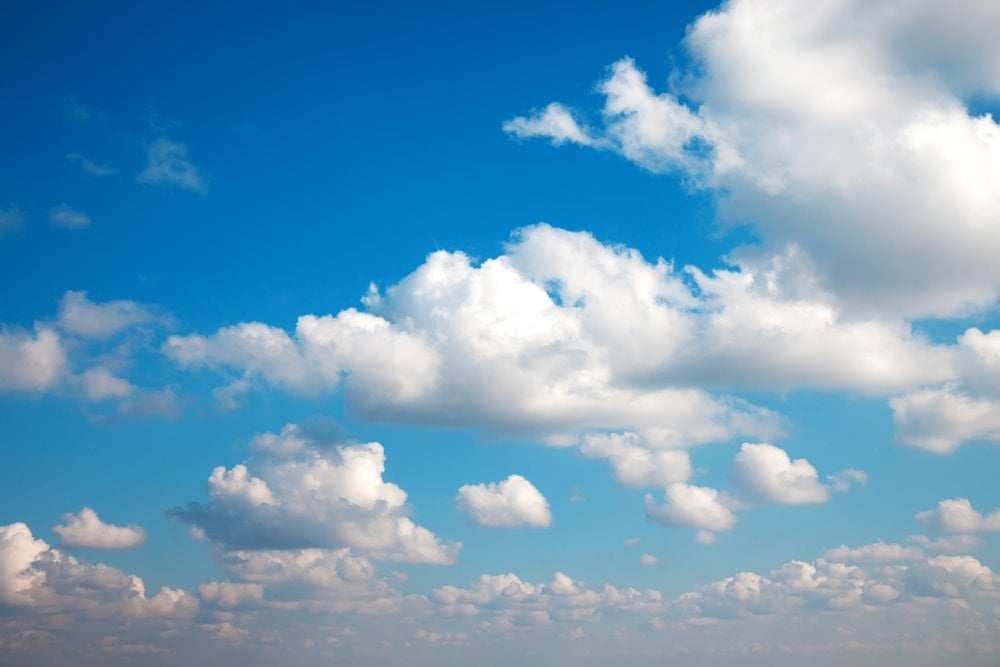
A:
520	333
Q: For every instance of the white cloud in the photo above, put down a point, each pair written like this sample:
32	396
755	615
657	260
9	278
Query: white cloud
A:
89	166
79	315
99	383
162	403
763	473
31	362
957	515
636	465
841	481
314	497
44	580
939	420
844	136
877	552
693	507
563	599
64	216
513	502
948	544
85	529
228	595
649	560
554	122
167	164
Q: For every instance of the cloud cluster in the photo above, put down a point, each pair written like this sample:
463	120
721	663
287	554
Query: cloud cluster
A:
304	495
513	502
39	579
957	515
85	529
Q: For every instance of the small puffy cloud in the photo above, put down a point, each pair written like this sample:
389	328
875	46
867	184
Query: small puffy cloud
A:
99	383
30	362
648	560
763	473
162	403
83	317
957	515
693	507
939	420
634	464
877	552
313	497
69	218
554	122
167	164
513	502
86	530
89	166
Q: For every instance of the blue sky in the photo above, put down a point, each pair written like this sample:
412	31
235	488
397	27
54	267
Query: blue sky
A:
437	335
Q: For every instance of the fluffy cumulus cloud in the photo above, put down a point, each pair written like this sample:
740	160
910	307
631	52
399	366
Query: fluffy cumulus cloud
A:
513	502
634	463
694	507
763	473
564	334
957	515
850	125
38	578
312	496
940	418
167	163
85	529
30	361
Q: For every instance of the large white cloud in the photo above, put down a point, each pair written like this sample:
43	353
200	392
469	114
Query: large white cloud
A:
85	529
313	496
763	473
563	334
839	127
512	502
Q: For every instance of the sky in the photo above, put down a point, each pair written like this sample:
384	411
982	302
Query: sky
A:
425	334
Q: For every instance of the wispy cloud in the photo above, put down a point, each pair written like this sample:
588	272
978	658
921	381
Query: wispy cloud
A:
167	164
89	166
69	218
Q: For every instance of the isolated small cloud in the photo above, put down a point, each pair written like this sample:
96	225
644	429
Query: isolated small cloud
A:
89	166
68	218
693	507
162	403
83	317
513	502
648	560
86	530
957	515
763	473
167	164
554	122
841	481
